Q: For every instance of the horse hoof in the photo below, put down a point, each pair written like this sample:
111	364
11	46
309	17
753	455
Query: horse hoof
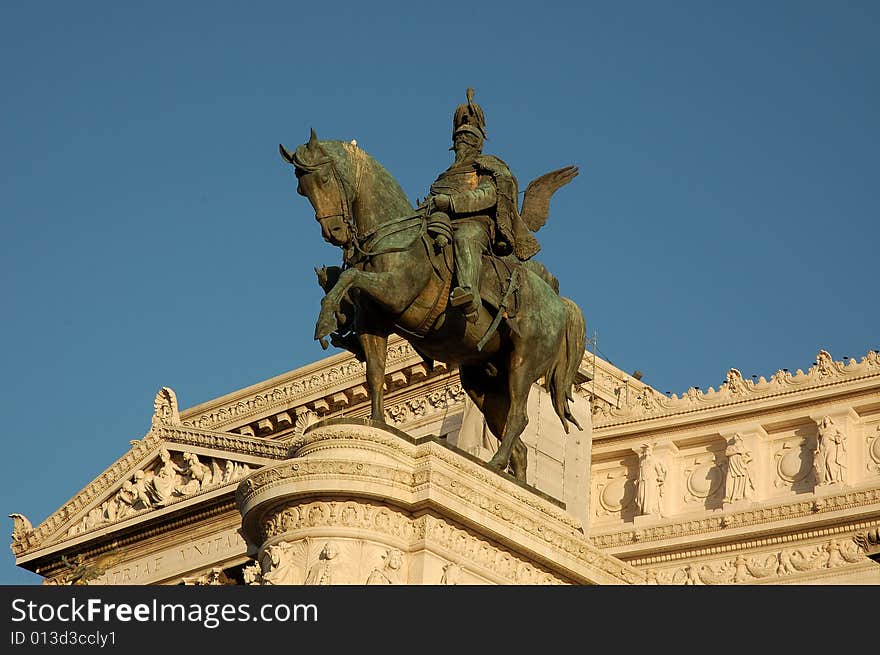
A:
497	463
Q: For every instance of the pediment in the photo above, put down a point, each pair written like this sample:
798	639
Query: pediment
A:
169	477
170	465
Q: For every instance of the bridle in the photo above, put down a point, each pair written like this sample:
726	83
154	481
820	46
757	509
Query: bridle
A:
364	244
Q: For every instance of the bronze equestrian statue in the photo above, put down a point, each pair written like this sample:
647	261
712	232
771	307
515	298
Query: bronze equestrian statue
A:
454	276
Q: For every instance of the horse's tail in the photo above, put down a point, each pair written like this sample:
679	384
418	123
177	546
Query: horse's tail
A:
560	377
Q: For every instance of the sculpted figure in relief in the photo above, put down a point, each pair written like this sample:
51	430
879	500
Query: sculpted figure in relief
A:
322	572
278	566
199	475
738	485
164	482
829	459
451	574
390	573
123	502
252	575
649	485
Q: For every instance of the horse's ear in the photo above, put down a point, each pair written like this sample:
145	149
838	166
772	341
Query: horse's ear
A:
285	154
315	148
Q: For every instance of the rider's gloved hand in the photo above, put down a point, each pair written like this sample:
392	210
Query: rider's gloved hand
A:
441	202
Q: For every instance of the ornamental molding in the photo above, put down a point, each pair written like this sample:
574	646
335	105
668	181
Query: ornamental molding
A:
753	567
716	524
481	555
431	466
320	384
647	404
321	439
223	441
484	555
297	387
134	543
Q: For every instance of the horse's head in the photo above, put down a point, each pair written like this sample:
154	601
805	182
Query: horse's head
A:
319	181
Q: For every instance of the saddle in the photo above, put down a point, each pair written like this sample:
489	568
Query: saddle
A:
498	287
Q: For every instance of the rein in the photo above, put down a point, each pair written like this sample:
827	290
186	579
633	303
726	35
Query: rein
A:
365	244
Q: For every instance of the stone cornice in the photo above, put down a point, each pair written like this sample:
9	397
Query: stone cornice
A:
224	441
342	373
790	539
331	459
607	383
716	526
137	539
331	375
825	376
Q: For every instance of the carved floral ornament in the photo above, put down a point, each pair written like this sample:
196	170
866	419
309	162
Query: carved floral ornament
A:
752	568
165	410
735	388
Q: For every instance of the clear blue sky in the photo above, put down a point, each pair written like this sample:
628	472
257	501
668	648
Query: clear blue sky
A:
725	214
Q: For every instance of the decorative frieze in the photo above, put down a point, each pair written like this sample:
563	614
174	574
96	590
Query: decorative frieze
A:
754	567
649	404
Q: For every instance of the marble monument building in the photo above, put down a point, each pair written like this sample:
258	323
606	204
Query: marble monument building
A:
761	481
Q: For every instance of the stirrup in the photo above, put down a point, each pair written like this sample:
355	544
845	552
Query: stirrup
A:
460	296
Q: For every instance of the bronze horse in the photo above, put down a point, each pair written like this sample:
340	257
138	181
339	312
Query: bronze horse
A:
396	278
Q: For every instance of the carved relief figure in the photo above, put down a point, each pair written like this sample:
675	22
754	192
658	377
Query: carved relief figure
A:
390	573
252	575
164	482
199	475
278	566
649	485
322	572
123	502
451	574
738	484
139	483
829	459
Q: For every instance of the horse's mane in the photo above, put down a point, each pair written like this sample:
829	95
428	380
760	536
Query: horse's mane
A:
352	160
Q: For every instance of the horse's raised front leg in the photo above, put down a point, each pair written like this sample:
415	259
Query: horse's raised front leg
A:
392	290
375	349
519	385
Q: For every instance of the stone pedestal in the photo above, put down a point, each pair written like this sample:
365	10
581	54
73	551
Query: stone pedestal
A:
359	502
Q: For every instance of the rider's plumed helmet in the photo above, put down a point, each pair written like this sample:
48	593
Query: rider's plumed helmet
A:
469	117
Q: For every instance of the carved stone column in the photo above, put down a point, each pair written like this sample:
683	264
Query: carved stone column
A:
359	502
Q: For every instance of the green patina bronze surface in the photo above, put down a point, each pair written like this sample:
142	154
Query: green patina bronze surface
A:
454	276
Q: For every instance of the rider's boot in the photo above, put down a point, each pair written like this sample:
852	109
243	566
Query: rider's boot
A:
468	260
